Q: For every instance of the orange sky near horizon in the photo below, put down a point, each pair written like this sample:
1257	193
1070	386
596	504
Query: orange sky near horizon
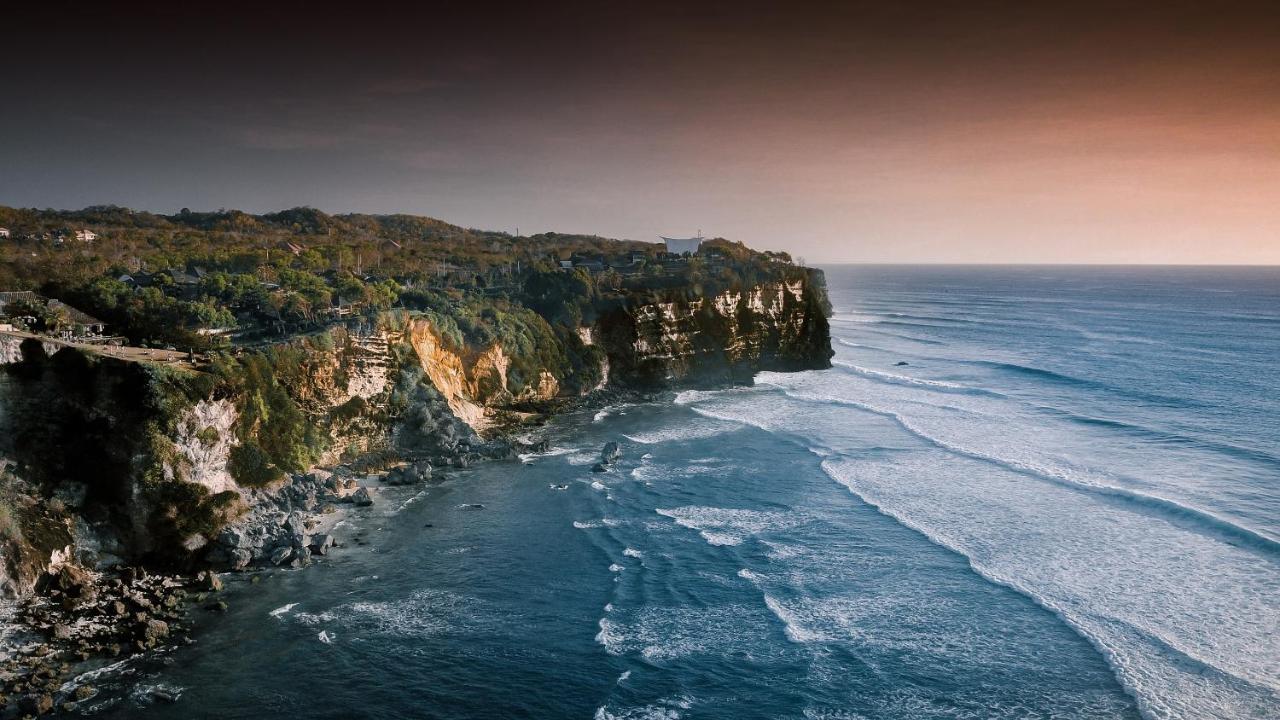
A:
981	131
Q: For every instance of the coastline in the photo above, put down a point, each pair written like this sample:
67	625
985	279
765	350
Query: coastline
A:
57	644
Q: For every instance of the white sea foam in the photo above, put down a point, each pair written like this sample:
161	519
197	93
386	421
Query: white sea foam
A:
314	618
591	524
597	485
698	429
1176	597
282	610
665	633
667	708
794	627
1185	647
885	376
549	452
632	552
729	526
325	637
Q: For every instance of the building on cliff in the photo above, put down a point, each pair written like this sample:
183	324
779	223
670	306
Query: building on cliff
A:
680	246
47	309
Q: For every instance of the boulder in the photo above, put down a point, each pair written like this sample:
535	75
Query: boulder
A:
208	581
280	555
295	526
611	453
362	497
320	544
36	704
155	630
234	537
600	467
70	581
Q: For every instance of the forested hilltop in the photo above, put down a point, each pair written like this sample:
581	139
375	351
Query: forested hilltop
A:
201	280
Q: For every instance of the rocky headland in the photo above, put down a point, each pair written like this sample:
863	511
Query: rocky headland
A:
127	483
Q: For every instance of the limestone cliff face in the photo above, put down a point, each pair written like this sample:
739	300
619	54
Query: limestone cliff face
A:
141	462
720	340
474	383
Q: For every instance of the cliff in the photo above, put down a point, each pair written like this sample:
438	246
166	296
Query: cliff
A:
111	460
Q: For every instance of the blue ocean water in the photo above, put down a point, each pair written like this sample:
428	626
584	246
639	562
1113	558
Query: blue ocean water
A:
1020	493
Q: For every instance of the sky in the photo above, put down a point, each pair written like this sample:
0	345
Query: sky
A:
985	132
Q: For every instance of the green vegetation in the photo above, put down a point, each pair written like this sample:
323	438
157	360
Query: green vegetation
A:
195	279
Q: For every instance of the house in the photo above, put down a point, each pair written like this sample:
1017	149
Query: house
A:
82	322
182	278
566	265
4	232
680	246
86	235
22	297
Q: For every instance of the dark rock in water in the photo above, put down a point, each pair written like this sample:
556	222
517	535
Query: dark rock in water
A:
362	498
208	581
320	544
902	362
218	606
554	486
600	467
84	692
36	704
280	555
166	694
471	506
611	453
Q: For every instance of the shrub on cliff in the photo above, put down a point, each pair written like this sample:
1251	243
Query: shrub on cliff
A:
275	435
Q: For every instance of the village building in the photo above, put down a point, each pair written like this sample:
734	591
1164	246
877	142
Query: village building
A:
680	246
86	235
4	232
81	323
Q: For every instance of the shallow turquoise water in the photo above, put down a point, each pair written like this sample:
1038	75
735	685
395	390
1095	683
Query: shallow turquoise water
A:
1064	505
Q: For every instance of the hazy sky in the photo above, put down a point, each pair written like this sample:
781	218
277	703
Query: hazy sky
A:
886	131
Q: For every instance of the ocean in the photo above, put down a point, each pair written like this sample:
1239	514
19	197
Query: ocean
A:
1021	492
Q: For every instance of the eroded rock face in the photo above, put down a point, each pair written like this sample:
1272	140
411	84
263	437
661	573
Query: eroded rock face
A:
155	456
475	385
204	437
725	339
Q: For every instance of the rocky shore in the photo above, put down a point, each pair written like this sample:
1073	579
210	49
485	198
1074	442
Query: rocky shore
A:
80	618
